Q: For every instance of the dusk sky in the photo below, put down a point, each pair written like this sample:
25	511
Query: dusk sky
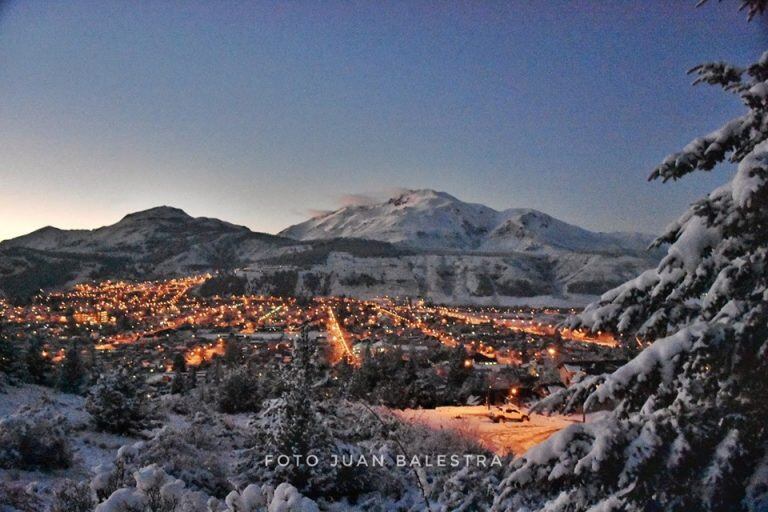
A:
258	113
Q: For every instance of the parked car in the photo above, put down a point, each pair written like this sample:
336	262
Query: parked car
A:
507	413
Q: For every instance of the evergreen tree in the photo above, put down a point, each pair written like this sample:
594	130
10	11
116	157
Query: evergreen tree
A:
122	322
271	381
214	372
117	404
686	422
307	362
13	368
475	387
179	363
232	351
343	372
298	429
6	352
239	392
38	366
458	371
192	378
178	383
363	381
394	382
72	373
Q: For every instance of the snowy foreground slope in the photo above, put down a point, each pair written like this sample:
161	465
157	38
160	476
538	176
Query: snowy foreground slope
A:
196	459
424	243
97	455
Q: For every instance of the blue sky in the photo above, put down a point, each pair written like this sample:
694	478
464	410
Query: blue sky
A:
260	112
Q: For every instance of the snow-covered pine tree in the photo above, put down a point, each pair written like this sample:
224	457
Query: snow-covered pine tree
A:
72	374
232	351
458	373
754	8
177	383
117	403
296	427
191	378
13	368
685	427
239	392
38	366
179	363
307	366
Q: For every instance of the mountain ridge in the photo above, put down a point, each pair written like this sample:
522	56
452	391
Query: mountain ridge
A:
428	219
552	262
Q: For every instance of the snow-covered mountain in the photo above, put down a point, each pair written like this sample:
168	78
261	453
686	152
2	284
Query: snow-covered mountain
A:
427	219
137	234
465	254
154	243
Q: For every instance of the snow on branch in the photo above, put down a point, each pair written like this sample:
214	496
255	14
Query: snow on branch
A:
737	137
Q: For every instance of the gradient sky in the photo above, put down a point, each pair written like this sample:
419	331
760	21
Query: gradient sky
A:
259	112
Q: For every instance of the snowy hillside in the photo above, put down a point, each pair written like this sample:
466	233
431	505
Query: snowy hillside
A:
460	278
428	219
149	244
422	218
140	233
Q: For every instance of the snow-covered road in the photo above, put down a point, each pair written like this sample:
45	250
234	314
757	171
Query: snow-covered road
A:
474	423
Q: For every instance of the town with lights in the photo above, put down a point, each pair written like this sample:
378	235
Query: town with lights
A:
518	353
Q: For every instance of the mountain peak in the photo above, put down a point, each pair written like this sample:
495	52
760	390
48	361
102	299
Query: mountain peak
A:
430	219
421	218
158	213
418	195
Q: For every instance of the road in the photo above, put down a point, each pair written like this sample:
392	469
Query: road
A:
472	422
339	340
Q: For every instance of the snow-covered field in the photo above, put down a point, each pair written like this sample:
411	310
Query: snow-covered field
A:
89	448
473	422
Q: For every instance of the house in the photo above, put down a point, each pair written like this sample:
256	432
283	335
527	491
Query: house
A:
509	385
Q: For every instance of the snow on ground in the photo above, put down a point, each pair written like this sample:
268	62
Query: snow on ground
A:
89	448
473	422
14	397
